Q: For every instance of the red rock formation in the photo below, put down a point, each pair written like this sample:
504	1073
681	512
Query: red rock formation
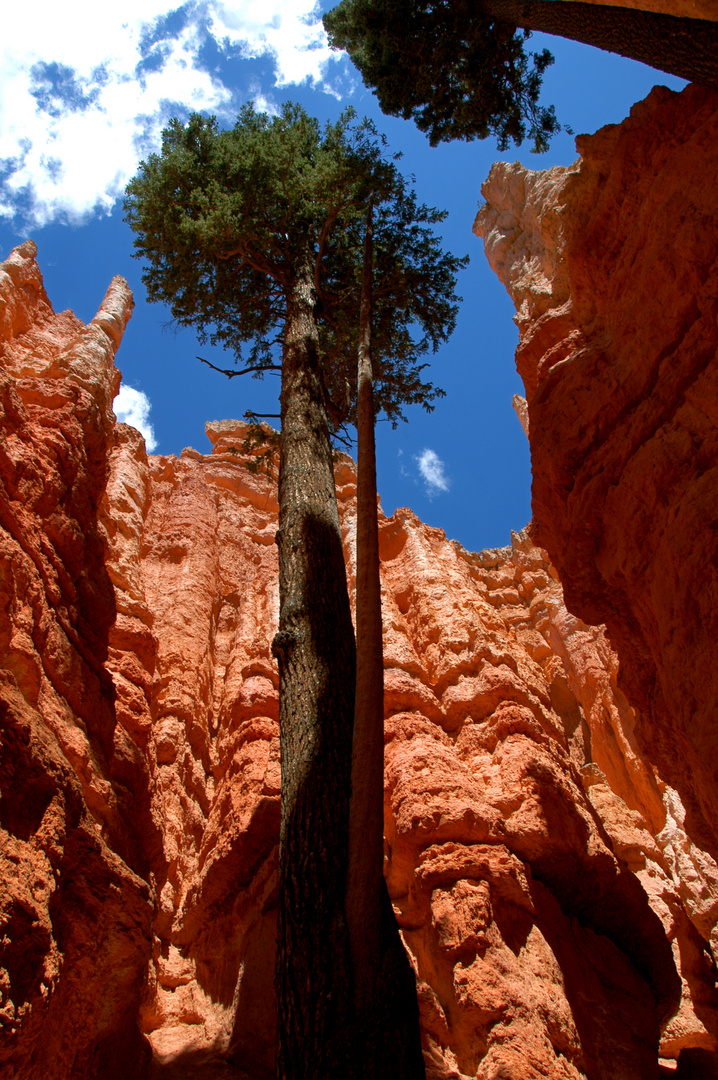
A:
539	881
612	264
75	905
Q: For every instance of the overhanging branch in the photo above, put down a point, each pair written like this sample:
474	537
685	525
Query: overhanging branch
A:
244	371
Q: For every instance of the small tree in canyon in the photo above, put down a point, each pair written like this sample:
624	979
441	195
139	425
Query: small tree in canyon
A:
254	237
459	68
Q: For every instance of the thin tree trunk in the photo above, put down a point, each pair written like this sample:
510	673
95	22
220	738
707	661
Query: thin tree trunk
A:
315	650
387	1035
684	47
366	829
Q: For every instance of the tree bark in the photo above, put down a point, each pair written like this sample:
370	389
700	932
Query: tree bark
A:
366	829
387	1033
684	47
315	651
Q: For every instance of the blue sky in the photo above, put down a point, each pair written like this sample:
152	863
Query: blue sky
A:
84	94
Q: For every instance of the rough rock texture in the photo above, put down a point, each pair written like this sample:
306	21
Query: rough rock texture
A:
690	9
540	871
75	906
505	816
612	264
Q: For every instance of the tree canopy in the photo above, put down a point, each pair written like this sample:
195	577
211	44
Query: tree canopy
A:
460	68
221	214
255	236
456	73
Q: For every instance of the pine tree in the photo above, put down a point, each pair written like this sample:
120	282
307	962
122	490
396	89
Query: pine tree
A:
460	70
250	235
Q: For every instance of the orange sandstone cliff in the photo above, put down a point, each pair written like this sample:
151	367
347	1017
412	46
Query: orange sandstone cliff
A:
75	903
613	266
559	912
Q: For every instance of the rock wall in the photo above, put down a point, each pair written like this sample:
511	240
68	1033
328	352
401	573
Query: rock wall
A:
612	264
689	9
75	904
546	888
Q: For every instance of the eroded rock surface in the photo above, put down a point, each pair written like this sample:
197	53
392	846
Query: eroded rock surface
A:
539	867
75	904
612	264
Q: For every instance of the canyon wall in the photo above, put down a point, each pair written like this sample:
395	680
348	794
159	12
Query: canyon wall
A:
612	264
75	903
560	918
689	9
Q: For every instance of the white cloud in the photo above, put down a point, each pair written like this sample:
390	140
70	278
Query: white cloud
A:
290	30
86	87
133	407
431	468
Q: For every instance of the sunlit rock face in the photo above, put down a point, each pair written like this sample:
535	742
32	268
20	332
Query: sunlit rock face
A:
75	903
540	870
200	578
520	818
612	265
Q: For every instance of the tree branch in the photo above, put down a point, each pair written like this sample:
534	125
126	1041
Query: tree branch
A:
262	266
245	371
321	246
345	440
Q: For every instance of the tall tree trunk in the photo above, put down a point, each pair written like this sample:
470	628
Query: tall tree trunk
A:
315	650
687	48
366	814
387	1034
